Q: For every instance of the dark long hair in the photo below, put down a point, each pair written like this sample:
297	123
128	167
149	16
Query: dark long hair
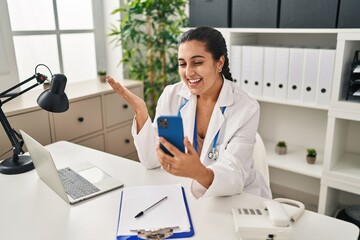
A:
214	43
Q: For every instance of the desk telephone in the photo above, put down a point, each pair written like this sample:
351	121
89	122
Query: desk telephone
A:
270	222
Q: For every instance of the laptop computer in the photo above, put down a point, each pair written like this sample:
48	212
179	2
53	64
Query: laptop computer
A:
65	182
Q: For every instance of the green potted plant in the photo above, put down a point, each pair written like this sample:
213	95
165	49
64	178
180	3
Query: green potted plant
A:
148	36
101	75
281	148
311	155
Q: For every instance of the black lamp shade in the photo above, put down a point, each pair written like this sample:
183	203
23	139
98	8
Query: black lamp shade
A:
54	99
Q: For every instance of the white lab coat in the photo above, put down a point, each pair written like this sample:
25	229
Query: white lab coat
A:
233	172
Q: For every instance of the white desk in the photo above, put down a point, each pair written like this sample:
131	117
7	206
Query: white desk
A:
32	211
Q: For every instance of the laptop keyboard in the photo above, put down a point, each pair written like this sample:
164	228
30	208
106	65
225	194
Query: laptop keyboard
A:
75	185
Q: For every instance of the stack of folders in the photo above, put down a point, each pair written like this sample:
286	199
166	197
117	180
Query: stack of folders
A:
300	75
159	208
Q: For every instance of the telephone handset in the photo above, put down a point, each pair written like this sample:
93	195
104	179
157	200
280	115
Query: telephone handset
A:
277	213
267	222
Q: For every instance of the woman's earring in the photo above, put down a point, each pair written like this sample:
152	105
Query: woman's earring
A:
220	68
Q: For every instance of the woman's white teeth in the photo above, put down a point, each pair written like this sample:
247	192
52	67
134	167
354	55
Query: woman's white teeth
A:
194	80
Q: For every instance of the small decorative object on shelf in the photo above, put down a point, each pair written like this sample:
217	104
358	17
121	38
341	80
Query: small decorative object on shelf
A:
46	84
281	148
102	75
311	155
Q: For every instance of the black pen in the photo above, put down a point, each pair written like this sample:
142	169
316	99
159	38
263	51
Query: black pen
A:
142	212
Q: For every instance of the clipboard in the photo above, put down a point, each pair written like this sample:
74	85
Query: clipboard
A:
168	230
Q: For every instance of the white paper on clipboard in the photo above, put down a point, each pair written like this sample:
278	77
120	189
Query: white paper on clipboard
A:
169	213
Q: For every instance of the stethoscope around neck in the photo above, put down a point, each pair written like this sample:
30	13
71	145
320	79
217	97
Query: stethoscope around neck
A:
213	154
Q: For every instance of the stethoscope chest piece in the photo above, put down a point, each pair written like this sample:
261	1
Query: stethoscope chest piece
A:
214	154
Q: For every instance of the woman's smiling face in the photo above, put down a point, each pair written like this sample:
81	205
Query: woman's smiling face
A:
197	67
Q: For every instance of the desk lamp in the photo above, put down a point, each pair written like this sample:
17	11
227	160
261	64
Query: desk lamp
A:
53	99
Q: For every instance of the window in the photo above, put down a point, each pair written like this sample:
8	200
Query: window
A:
59	33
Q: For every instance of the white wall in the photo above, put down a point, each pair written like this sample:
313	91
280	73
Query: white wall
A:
113	55
8	69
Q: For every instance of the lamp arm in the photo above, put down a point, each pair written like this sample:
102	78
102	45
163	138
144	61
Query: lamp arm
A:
40	78
14	137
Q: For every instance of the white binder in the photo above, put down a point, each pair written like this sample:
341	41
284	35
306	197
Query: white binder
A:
311	67
281	73
246	63
296	63
325	76
257	70
235	63
269	72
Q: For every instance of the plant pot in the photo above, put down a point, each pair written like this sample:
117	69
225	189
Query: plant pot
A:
310	160
281	150
102	78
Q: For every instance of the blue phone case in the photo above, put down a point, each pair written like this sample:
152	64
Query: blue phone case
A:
171	128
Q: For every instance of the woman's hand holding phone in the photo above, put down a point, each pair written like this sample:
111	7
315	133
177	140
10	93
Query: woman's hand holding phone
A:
171	152
184	164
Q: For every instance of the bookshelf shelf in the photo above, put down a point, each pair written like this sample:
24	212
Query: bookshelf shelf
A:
333	129
294	160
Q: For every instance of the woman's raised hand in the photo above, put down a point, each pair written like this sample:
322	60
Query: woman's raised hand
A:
136	102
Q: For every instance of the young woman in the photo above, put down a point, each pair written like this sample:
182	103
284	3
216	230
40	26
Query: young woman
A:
220	122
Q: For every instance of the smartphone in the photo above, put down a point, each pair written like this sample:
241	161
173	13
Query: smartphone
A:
171	128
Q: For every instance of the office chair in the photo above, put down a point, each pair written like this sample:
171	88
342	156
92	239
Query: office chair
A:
260	158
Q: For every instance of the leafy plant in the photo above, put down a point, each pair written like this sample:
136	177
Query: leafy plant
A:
101	72
311	152
148	35
281	144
